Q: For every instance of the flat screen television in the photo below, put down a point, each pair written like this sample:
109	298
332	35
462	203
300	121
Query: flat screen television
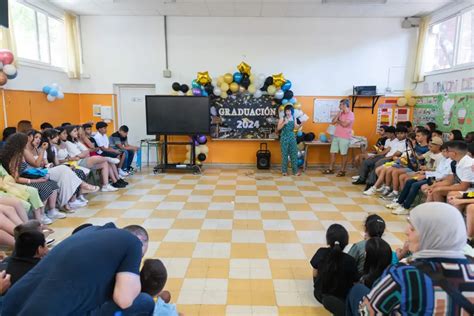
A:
173	115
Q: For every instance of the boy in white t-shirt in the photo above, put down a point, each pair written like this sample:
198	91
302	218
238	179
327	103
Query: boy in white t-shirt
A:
105	150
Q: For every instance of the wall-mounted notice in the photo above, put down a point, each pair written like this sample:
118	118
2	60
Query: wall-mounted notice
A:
384	116
324	110
401	115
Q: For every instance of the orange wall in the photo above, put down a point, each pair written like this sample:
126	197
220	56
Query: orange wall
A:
77	108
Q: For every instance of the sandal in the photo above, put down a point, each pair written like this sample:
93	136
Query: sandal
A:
341	174
328	171
89	189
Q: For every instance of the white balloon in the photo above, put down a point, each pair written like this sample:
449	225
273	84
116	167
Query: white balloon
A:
204	149
50	98
261	78
257	94
9	70
217	91
60	95
279	94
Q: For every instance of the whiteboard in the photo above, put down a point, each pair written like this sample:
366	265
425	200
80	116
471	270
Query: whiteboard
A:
325	110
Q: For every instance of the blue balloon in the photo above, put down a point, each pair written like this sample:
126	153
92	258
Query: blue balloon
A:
323	138
284	101
46	89
300	162
237	77
195	84
204	93
293	100
53	92
299	133
286	86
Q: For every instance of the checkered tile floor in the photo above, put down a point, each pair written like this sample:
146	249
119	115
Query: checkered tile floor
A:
237	241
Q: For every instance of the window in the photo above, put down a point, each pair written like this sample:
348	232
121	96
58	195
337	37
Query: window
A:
40	37
450	43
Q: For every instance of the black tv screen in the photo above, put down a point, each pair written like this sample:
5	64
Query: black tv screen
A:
4	13
173	115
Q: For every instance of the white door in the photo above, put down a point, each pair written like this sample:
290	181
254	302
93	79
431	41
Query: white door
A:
131	105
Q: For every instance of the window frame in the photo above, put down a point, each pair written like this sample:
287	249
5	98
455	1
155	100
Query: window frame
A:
38	63
455	67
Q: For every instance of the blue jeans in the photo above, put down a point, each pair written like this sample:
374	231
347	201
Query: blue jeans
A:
409	192
143	305
354	297
128	159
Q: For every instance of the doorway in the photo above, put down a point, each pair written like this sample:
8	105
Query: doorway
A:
131	112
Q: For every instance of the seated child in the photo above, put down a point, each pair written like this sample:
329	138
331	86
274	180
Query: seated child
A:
153	276
119	141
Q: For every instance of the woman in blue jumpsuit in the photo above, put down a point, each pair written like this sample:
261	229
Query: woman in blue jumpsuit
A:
286	126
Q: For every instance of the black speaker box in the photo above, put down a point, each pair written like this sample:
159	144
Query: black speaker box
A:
263	157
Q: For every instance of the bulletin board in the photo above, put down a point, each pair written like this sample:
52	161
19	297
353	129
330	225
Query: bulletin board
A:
324	110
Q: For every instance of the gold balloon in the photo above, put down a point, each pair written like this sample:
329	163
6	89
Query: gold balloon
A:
228	78
190	92
408	94
271	90
174	93
300	146
203	78
224	87
224	95
234	87
402	102
252	89
244	68
278	80
3	78
297	106
412	101
242	89
252	78
281	108
220	80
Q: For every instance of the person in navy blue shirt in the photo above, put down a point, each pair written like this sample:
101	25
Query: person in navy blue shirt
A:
93	272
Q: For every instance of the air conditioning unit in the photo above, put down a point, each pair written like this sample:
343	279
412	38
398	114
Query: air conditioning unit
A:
410	22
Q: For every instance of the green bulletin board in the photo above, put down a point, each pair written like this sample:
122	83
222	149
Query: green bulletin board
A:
448	111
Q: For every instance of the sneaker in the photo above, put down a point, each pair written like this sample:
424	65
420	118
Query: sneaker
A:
77	204
393	206
381	189
359	181
55	214
113	160
370	191
118	185
50	241
392	195
45	220
355	178
122	181
401	211
82	198
123	174
108	188
386	191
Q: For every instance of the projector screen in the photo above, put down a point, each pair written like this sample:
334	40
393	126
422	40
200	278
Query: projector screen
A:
177	115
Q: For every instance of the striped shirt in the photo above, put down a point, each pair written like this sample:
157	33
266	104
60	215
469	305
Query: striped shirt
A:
405	290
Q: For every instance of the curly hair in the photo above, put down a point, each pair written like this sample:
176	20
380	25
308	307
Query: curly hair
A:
12	154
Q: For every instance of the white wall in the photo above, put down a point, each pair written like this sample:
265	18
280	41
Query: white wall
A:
322	56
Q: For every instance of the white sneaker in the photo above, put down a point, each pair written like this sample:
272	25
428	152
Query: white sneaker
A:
55	214
392	195
82	198
77	204
386	191
45	220
123	173
381	189
401	211
370	191
355	178
393	206
108	188
113	160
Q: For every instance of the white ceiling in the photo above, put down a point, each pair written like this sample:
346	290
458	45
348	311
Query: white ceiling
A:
254	8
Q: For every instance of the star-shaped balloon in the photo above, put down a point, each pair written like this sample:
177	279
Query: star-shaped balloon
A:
278	80
203	78
244	68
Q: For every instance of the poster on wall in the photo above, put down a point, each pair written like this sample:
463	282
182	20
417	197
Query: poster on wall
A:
401	115
324	110
448	111
384	116
241	116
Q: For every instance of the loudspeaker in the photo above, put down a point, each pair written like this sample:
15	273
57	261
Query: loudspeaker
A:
4	13
263	157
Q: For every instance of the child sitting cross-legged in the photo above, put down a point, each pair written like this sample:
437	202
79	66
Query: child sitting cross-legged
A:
153	276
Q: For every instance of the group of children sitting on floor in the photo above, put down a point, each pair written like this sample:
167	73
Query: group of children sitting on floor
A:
46	171
407	167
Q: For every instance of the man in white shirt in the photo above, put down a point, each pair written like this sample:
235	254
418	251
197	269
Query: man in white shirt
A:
462	180
102	141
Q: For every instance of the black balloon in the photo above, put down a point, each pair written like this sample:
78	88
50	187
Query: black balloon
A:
309	137
269	81
209	88
301	138
298	121
229	92
184	88
277	101
264	88
201	157
288	94
176	86
245	82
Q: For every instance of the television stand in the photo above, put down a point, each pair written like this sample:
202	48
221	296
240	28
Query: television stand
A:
164	165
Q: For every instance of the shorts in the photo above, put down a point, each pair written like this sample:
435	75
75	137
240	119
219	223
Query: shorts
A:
340	145
83	163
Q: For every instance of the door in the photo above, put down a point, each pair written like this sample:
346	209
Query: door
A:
131	105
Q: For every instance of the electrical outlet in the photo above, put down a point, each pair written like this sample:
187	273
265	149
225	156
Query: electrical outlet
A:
167	73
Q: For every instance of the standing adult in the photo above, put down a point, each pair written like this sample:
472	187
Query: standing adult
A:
93	272
342	136
286	125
